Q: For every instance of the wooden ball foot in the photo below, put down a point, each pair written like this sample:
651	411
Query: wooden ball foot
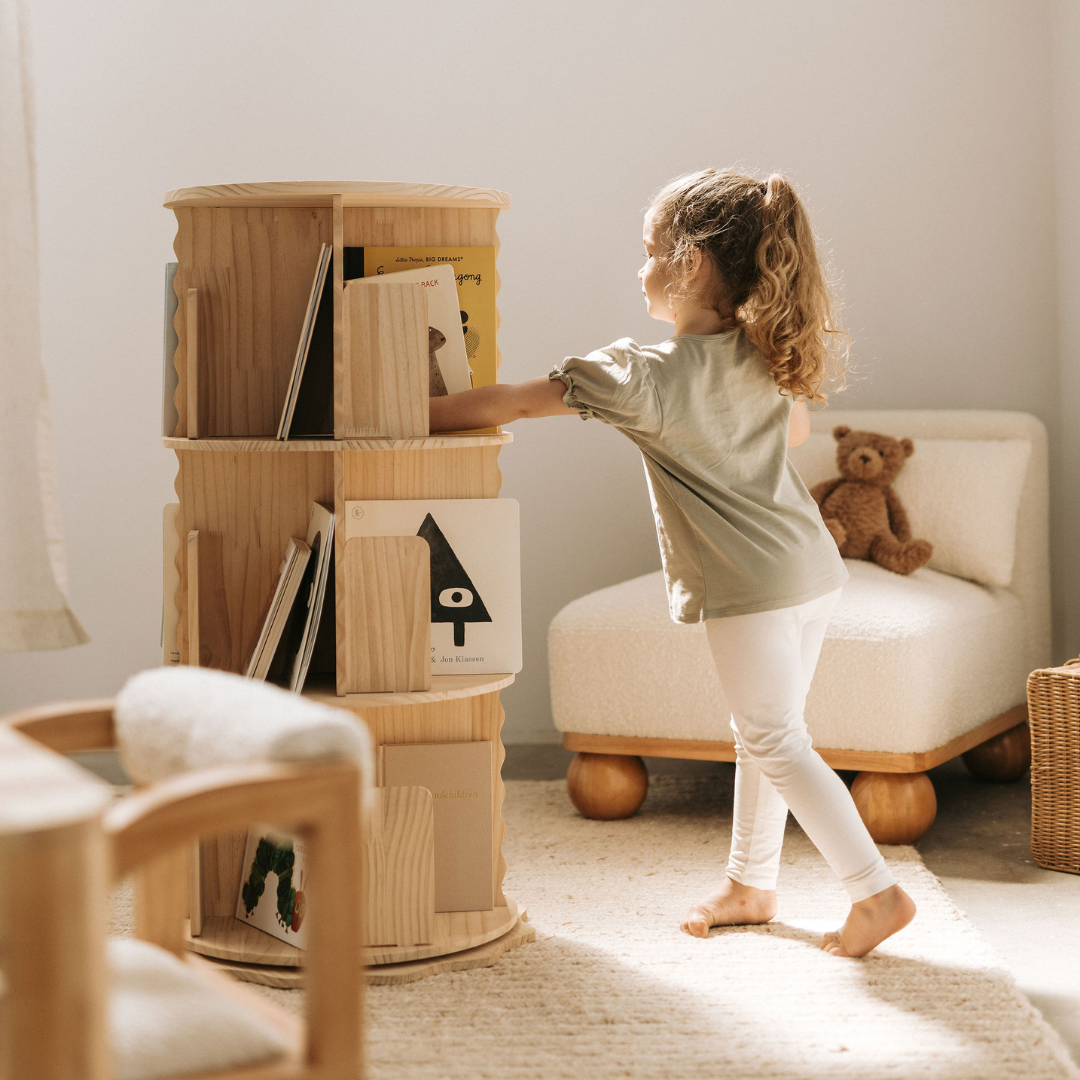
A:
1003	758
896	807
606	786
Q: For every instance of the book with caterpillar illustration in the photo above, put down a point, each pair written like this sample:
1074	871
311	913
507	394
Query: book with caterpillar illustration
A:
272	887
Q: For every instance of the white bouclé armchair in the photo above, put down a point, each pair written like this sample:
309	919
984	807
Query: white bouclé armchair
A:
914	671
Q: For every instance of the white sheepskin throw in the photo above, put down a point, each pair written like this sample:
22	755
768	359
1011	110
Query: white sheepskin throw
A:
173	720
165	1021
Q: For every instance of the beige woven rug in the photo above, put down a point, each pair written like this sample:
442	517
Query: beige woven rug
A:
611	988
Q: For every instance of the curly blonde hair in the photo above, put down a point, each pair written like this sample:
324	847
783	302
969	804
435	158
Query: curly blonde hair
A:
769	279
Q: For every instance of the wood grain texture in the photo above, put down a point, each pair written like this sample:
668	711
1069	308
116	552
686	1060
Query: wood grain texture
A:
255	267
255	503
607	787
162	896
442	441
224	937
863	760
455	931
486	955
68	726
443	688
399	891
195	889
338	270
419	226
194	639
305	193
466	473
387	614
191	365
52	939
409	887
220	870
53	869
384	385
897	808
210	642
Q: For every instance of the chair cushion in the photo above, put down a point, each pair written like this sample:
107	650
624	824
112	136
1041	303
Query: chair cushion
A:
171	720
166	1021
908	664
963	495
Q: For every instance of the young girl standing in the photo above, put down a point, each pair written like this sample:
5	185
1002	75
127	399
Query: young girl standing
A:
732	262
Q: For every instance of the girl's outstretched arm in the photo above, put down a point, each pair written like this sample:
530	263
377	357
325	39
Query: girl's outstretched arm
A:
799	424
490	406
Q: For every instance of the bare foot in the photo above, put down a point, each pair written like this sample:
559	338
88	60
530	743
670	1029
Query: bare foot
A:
870	922
733	904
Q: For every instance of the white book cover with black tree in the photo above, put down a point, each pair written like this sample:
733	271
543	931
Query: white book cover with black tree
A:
475	575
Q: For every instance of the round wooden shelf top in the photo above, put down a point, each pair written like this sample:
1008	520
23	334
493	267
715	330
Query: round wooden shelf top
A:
352	192
267	444
443	688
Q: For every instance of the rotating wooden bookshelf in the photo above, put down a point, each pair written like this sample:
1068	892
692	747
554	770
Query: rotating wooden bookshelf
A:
245	257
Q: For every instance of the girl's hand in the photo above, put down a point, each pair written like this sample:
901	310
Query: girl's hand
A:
491	406
799	424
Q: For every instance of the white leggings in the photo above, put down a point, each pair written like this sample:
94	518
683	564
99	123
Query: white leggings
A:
766	662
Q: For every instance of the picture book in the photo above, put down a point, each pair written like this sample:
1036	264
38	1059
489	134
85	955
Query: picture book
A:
290	664
170	379
477	288
459	777
475	575
290	575
272	886
448	363
309	398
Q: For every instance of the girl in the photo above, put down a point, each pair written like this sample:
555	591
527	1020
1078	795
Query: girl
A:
732	263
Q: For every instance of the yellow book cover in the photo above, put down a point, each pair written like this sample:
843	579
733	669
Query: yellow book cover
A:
477	285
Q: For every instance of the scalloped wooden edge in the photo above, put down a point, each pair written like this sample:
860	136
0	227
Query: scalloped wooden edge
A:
352	192
441	441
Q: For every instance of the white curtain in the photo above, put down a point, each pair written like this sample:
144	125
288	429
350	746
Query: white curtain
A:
33	578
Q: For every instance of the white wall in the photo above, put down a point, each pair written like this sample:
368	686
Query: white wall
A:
921	132
1066	59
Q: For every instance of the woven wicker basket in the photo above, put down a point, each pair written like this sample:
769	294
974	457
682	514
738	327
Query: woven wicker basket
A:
1054	716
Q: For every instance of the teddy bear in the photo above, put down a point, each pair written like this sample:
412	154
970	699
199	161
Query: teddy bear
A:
860	508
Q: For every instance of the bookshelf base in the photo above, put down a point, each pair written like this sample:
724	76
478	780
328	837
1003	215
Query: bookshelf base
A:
254	956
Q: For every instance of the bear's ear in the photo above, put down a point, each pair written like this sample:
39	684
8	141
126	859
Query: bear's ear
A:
909	447
840	431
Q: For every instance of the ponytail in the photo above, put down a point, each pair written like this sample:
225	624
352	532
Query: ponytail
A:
770	280
788	314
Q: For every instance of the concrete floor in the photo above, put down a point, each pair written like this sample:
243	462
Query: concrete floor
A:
979	848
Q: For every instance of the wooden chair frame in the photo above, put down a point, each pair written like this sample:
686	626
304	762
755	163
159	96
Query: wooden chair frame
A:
150	834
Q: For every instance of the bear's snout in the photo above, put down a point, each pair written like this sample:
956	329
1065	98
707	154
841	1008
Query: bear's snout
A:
864	463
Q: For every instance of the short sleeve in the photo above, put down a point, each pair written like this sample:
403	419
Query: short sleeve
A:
613	384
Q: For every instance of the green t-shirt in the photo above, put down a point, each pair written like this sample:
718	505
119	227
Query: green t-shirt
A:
738	530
